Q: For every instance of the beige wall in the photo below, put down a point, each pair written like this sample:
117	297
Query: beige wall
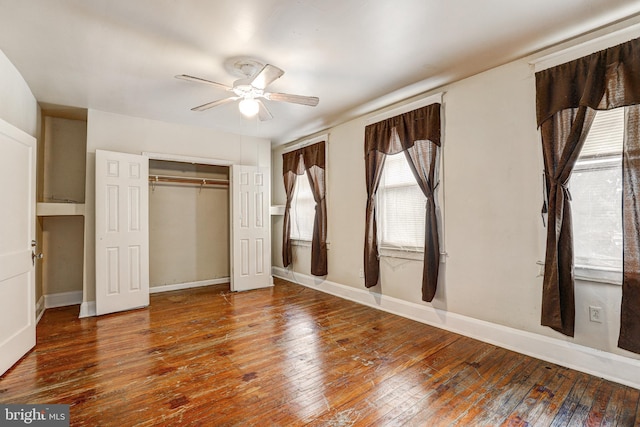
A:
492	194
62	245
19	107
188	225
108	131
65	144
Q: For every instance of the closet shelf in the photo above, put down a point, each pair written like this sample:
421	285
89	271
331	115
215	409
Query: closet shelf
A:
187	180
59	209
276	210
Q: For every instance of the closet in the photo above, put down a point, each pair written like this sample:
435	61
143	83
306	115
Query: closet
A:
60	206
189	227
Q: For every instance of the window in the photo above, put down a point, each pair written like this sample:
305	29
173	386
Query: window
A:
596	192
303	210
400	207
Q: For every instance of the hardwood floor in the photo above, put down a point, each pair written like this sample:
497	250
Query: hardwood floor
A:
289	356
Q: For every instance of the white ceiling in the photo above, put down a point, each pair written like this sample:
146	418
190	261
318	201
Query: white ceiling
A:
121	56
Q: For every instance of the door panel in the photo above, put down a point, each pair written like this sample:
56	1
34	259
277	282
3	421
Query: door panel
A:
17	230
122	231
250	238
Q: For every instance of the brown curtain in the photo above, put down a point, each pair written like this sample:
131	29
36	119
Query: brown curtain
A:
417	133
630	311
423	160
565	96
562	139
312	160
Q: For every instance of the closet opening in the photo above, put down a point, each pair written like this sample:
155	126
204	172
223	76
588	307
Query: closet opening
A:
189	225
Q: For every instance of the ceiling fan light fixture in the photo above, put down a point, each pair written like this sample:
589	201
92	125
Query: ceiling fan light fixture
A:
249	107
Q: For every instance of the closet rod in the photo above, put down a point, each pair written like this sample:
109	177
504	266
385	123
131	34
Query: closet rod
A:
188	180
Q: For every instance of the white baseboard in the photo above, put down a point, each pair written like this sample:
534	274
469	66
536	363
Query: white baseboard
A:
62	299
87	309
188	285
610	366
39	309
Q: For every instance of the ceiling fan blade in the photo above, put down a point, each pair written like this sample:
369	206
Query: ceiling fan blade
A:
266	76
205	81
311	101
214	103
263	112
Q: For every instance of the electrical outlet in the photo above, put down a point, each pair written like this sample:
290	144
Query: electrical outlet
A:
595	314
361	273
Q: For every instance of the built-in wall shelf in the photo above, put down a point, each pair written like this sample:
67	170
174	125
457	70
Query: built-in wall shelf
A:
59	209
276	210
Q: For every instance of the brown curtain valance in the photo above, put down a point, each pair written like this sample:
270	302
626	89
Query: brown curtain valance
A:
422	124
296	161
566	99
603	80
417	133
309	159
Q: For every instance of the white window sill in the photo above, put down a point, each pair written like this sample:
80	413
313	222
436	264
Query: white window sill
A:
389	252
598	274
304	243
592	274
410	254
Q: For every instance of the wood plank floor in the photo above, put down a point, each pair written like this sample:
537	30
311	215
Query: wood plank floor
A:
289	356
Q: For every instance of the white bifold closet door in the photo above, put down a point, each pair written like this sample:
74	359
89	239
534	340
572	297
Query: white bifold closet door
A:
250	228
122	231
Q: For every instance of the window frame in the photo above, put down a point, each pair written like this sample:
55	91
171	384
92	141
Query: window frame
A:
389	252
294	217
388	249
587	272
567	52
305	143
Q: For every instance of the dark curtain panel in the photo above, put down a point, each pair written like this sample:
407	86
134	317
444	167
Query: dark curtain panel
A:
312	160
314	163
565	96
290	163
630	312
374	162
417	133
423	160
562	139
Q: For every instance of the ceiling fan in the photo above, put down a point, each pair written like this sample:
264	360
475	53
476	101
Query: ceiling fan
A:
251	89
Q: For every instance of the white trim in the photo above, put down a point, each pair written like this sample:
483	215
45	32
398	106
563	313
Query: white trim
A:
610	366
432	99
187	285
586	48
39	309
187	159
87	309
63	299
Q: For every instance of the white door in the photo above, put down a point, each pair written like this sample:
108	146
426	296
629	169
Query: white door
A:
250	229
17	225
122	231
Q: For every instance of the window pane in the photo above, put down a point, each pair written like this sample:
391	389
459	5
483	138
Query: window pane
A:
400	206
303	210
597	215
596	191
